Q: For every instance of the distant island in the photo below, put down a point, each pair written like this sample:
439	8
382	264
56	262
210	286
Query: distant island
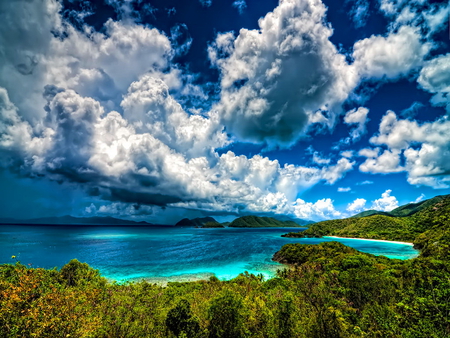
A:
70	220
244	222
199	222
261	222
405	223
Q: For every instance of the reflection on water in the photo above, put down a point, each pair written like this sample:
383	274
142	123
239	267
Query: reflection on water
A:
129	253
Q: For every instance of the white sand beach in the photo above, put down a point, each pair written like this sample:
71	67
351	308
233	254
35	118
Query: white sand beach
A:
369	239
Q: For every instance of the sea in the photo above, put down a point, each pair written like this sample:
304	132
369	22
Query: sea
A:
164	254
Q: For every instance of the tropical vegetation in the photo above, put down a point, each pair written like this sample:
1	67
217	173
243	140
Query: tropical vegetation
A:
261	222
328	290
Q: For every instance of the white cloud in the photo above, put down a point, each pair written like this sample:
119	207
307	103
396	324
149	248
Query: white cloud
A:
365	182
391	56
434	77
334	173
419	199
279	79
347	153
322	209
240	5
96	64
386	202
130	162
357	205
344	189
317	158
150	107
387	162
423	147
430	17
358	117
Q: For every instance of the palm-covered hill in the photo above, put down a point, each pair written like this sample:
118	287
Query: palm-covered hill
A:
405	210
199	222
406	223
261	222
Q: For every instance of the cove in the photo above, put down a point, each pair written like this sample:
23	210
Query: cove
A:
165	253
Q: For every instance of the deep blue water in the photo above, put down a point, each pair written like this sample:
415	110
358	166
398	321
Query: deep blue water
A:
127	253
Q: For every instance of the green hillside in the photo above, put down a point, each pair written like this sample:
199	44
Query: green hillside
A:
404	210
370	213
260	222
412	208
198	222
421	217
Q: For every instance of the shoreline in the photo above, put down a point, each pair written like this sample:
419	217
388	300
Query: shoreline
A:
369	239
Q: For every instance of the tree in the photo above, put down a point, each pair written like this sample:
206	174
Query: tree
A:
181	321
226	316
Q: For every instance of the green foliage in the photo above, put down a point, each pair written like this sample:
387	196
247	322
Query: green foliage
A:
404	210
181	321
226	316
76	273
406	223
260	222
196	222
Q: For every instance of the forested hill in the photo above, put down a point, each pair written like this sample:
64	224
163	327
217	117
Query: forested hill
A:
405	210
432	214
199	222
260	222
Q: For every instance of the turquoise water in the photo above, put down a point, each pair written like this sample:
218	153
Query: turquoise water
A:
164	253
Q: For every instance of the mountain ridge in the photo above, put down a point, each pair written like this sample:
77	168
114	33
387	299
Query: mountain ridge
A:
264	222
405	223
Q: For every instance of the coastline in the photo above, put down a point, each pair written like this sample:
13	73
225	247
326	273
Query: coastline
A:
369	239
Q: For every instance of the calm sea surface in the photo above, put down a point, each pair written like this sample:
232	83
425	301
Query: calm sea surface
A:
164	253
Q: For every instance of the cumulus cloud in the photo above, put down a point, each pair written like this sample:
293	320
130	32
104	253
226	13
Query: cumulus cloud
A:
150	108
317	158
424	149
387	162
279	79
79	142
435	78
347	153
333	173
359	118
344	189
390	56
322	209
357	205
98	65
386	202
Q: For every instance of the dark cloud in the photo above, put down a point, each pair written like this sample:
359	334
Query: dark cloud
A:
128	196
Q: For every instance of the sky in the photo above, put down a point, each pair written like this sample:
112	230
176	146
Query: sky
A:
159	110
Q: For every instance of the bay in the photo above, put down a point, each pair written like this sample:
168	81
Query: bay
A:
165	253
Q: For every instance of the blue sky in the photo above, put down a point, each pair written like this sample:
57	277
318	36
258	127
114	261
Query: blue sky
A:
158	110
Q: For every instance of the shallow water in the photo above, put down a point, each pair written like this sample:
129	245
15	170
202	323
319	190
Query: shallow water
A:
157	253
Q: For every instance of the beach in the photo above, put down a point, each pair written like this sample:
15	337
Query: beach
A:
369	239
